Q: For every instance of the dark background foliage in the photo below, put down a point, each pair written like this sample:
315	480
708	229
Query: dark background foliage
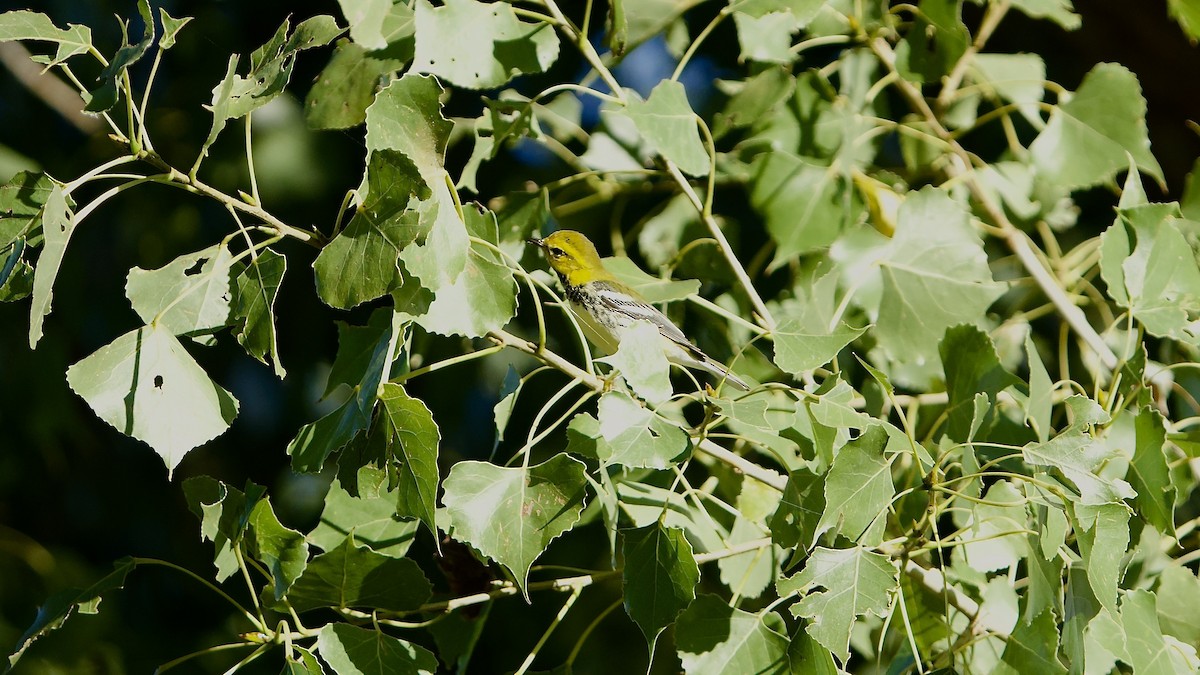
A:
75	495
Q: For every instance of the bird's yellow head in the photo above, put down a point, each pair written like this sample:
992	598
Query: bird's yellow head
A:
573	257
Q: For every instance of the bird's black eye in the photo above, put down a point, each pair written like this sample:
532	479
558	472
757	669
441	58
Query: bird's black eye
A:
556	252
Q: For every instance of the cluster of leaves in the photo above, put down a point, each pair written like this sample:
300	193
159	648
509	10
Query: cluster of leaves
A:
908	485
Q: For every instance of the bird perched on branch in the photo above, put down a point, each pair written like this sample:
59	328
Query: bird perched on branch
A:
607	309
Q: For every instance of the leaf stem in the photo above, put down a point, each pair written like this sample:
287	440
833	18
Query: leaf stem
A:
562	614
215	589
203	652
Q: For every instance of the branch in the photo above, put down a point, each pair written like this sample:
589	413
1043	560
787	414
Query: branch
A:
52	91
959	168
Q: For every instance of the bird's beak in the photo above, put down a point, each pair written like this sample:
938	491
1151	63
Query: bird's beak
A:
540	243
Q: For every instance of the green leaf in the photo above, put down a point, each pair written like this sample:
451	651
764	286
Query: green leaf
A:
370	517
642	362
632	22
935	275
224	514
1139	639
635	437
478	45
189	295
972	368
666	121
346	87
369	21
60	606
935	43
351	576
1032	648
350	650
147	386
995	538
300	661
659	577
712	637
805	205
407	116
26	25
766	38
1087	138
1037	414
754	98
1178	593
1149	475
1080	458
803	342
104	96
1058	11
257	289
509	391
852	583
1016	78
316	441
749	573
282	550
1187	15
270	70
511	515
653	290
171	27
1103	537
1150	267
795	522
361	263
16	275
483	297
859	485
21	202
413	438
58	224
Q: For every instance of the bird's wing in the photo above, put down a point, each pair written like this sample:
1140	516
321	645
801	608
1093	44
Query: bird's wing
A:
615	299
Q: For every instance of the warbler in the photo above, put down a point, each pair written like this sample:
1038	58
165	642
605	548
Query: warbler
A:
606	308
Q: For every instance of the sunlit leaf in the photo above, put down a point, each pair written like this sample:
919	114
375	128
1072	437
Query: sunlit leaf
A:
837	587
642	362
26	25
58	224
1087	138
666	121
712	637
512	514
478	45
189	295
350	650
147	386
634	436
859	485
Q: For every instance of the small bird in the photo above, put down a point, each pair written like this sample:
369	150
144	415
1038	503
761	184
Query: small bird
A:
606	308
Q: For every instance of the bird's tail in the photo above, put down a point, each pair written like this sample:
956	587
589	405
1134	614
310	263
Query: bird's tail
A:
719	370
